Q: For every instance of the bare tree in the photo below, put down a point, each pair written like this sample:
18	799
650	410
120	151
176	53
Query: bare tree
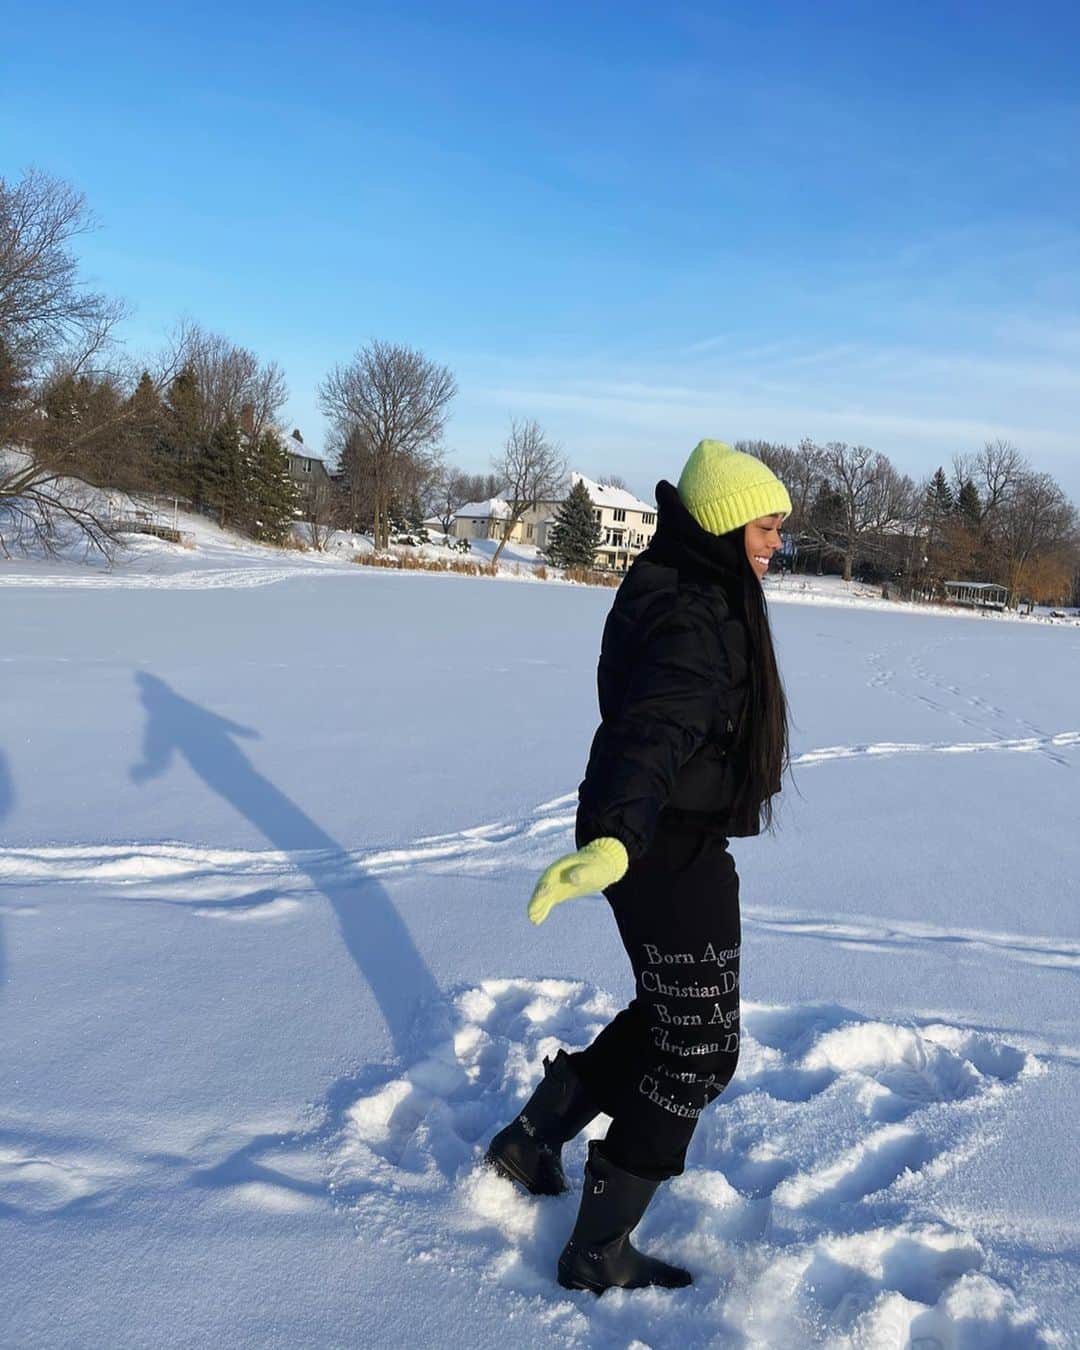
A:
230	381
322	508
46	510
453	489
481	487
612	480
46	309
1035	521
388	408
533	470
868	501
67	402
801	471
999	466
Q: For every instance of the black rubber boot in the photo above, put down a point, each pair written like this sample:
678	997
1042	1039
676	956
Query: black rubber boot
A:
529	1149
599	1254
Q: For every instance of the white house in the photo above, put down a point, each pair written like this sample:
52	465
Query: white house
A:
627	524
486	520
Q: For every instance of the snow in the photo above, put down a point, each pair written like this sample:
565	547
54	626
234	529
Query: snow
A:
493	508
616	498
619	499
269	824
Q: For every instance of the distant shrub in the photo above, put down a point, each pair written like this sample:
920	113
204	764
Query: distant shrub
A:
409	563
591	576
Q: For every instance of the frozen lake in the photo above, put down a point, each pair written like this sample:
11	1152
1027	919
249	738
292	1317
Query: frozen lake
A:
268	987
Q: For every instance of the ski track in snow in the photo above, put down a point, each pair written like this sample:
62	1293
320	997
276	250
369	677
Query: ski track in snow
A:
198	579
268	885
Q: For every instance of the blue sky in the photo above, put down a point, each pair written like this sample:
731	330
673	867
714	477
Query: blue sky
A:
640	224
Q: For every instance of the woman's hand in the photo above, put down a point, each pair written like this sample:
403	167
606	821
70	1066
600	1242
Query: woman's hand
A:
599	864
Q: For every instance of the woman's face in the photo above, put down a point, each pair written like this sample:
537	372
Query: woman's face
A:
762	537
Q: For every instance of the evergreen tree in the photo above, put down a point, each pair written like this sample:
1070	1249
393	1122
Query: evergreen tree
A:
273	495
223	476
79	427
144	428
414	522
397	520
575	535
969	505
13	391
180	446
939	498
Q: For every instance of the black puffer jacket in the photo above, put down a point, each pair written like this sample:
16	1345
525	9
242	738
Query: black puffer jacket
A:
672	682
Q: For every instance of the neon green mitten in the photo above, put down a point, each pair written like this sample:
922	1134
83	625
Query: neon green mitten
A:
600	863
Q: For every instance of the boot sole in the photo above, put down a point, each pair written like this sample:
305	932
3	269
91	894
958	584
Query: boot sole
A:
596	1289
572	1282
504	1169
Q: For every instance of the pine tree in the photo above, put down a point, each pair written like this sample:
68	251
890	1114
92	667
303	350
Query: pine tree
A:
969	505
939	496
397	520
273	495
180	446
223	475
12	391
575	535
144	428
415	517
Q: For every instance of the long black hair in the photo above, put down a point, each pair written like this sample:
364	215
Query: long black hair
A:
762	734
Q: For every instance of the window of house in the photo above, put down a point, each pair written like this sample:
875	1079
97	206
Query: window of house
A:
620	515
649	518
528	531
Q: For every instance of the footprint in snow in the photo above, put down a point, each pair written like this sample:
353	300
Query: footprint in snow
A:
803	1209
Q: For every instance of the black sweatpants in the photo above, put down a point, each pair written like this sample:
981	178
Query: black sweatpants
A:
673	1050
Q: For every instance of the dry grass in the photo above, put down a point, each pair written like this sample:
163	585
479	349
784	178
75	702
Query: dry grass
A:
590	576
405	563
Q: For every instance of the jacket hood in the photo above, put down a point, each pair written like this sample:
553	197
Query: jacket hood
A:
681	542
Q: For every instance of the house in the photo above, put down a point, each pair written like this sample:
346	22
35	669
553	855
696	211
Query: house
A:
627	524
486	520
308	471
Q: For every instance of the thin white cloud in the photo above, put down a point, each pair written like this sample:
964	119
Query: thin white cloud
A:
920	406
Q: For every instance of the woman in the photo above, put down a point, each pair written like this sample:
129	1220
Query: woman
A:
690	751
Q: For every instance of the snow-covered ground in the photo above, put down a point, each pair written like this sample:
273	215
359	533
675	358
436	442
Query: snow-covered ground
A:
268	824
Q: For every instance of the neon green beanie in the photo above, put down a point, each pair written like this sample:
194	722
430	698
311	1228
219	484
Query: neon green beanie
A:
723	488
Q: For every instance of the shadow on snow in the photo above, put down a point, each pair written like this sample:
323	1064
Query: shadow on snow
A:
375	936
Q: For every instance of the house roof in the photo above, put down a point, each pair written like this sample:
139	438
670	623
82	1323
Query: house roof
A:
617	499
297	450
494	506
979	585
